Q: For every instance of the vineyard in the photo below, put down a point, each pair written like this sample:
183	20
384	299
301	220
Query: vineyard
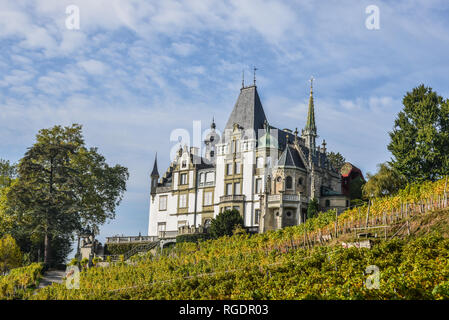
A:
19	282
300	262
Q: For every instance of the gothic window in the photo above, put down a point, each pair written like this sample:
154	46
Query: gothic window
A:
212	154
279	179
289	182
184	164
300	182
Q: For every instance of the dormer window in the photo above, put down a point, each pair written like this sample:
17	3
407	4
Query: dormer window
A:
184	164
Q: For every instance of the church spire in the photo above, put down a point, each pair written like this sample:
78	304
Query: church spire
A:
310	128
310	125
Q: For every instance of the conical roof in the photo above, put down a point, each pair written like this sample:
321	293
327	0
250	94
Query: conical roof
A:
248	112
290	158
155	172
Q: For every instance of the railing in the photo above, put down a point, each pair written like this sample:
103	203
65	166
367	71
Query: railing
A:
167	234
290	197
191	230
131	239
232	198
285	197
140	248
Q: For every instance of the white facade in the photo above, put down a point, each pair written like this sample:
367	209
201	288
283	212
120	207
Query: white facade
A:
261	171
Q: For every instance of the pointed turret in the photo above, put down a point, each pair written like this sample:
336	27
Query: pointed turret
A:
309	131
154	177
155	172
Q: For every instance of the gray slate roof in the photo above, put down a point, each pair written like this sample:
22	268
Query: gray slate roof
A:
290	158
248	111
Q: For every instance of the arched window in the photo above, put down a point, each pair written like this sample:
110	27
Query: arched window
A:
289	182
299	181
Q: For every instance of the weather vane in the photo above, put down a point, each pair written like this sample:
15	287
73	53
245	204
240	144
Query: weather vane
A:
255	75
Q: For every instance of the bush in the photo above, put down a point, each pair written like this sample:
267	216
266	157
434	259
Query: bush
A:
120	248
10	254
225	223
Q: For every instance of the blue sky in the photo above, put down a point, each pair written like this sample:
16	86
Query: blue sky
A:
137	70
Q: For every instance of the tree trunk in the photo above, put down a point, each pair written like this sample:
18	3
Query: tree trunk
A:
47	249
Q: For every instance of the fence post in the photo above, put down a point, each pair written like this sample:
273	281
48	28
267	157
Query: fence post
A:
367	212
336	223
408	220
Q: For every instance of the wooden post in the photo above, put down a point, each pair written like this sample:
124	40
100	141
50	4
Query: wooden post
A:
367	213
445	195
408	220
336	223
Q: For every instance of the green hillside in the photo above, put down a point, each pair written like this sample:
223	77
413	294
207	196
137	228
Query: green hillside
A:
292	263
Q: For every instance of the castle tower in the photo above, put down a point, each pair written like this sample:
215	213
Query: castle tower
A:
309	131
212	138
154	177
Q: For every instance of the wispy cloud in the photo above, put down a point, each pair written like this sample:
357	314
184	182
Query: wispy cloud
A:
138	69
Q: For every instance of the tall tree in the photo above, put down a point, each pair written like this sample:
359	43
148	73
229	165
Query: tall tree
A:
419	140
387	181
337	160
62	187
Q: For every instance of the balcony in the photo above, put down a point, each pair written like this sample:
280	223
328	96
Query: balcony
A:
232	198
285	197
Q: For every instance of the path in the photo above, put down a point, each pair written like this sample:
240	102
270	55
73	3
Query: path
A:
50	277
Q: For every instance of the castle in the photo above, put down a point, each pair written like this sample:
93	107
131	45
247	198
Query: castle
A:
268	174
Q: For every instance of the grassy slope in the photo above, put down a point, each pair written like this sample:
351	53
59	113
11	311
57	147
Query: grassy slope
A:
415	267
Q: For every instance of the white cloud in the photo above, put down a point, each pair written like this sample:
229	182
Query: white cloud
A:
93	67
183	49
